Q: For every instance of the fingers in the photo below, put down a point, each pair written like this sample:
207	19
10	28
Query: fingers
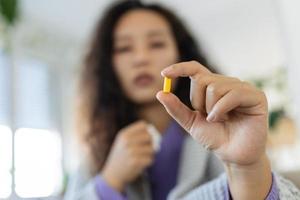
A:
141	155
241	97
145	150
138	143
134	127
139	161
216	90
185	69
143	138
206	90
198	92
135	134
211	94
203	84
180	112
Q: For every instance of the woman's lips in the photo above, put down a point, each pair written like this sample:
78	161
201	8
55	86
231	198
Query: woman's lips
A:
143	80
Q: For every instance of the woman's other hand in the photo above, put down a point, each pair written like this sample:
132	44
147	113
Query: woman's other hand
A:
131	153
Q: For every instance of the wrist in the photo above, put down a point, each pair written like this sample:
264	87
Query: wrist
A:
113	181
252	181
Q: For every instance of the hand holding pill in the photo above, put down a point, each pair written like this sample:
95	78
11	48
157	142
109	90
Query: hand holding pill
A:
230	116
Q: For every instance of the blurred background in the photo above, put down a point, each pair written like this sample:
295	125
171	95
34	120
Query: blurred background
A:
42	44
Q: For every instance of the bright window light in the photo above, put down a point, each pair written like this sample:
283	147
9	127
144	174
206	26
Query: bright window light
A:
37	162
5	161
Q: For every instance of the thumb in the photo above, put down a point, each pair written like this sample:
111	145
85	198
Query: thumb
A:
180	112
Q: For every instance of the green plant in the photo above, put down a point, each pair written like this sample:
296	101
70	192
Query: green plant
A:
275	116
9	11
275	83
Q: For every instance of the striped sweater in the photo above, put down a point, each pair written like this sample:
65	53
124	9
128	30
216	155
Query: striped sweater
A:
218	190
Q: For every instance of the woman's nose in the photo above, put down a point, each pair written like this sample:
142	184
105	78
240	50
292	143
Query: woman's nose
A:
141	57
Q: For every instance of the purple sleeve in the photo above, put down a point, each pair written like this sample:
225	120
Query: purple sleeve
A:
273	193
105	192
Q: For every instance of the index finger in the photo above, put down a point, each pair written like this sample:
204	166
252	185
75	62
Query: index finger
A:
185	69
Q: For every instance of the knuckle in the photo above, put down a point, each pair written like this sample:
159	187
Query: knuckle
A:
194	62
213	90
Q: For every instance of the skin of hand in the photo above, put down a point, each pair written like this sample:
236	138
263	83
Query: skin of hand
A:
229	117
131	153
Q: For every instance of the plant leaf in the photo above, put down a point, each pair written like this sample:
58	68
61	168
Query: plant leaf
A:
9	10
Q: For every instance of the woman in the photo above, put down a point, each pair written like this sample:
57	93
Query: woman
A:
132	45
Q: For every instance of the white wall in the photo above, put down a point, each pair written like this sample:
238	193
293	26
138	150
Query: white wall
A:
242	37
290	23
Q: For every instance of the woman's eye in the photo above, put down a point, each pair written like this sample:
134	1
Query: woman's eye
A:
124	49
157	45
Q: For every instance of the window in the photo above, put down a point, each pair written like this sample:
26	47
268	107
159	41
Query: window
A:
5	161
30	145
37	160
5	131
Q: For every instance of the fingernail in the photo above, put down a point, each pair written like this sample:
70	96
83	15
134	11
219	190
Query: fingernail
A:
166	70
157	96
210	117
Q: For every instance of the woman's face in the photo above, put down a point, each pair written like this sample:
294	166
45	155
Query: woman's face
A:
143	46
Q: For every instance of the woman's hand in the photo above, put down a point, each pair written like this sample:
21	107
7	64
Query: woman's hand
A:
230	117
131	153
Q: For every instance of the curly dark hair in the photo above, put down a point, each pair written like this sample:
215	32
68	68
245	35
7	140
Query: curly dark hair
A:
103	107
